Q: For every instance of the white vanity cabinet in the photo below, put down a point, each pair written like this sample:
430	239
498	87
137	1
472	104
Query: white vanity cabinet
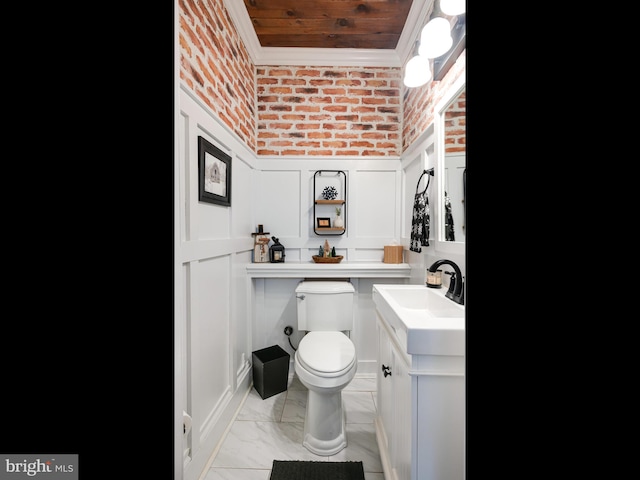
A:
393	423
420	404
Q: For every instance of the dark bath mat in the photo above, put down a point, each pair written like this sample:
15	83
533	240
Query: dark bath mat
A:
299	470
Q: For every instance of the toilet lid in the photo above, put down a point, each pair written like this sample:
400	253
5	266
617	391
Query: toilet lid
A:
326	352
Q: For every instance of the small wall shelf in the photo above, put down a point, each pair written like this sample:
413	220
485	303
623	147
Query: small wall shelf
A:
323	208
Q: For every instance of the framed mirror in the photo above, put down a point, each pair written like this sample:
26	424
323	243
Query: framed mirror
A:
450	150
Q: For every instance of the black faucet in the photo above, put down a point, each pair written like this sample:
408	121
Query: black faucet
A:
456	284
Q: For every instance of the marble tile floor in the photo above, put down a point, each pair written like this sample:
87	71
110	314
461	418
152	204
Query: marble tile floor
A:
272	429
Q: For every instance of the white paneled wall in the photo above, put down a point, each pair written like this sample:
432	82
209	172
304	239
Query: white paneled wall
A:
223	315
377	206
279	203
210	313
213	313
285	208
284	205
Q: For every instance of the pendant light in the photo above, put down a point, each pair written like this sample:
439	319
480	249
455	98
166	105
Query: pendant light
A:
435	39
453	7
417	72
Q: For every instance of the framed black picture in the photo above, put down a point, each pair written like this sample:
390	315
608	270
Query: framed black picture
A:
214	174
324	222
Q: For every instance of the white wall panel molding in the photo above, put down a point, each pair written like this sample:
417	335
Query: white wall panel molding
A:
309	245
205	249
215	432
326	270
214	415
240	325
326	163
419	145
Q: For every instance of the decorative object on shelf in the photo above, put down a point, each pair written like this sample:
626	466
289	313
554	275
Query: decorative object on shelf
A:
324	222
329	193
327	254
336	259
338	222
214	174
393	254
276	251
260	243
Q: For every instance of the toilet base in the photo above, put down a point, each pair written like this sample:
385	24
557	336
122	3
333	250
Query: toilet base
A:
324	424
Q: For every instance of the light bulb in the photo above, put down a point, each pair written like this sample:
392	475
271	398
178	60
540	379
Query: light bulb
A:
453	7
417	72
435	39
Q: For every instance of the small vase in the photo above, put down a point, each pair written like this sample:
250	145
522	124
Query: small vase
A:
338	222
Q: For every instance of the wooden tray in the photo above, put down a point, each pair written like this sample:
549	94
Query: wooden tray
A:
318	259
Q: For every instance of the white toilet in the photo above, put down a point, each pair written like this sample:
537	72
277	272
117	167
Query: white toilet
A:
325	360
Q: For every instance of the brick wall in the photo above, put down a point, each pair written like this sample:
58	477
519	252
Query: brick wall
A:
455	125
295	110
418	113
215	65
351	111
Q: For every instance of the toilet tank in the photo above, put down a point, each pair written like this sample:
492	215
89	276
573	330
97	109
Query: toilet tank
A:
325	305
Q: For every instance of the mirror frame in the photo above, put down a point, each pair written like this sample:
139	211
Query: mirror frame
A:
452	93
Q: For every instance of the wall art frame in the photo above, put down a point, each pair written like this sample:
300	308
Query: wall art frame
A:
324	222
214	174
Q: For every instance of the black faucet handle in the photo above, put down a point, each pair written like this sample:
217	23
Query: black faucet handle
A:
452	282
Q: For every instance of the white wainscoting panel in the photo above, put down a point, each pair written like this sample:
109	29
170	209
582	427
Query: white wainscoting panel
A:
278	203
210	334
215	315
377	209
242	198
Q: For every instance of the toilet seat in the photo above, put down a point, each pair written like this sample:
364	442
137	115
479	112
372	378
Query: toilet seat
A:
326	354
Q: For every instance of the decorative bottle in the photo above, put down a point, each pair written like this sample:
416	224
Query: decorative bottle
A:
338	222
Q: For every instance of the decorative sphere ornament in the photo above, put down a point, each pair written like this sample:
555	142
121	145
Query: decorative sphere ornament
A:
329	193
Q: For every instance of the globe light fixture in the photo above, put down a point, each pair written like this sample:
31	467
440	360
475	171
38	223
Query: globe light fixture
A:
435	39
453	7
417	72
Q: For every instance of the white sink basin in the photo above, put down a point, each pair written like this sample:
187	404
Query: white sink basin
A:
424	298
431	323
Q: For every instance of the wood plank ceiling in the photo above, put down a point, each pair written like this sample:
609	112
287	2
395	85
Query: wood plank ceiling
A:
362	24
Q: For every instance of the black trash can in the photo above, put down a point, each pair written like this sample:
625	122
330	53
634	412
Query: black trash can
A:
270	371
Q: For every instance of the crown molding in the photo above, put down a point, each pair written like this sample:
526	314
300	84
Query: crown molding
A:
339	57
330	56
